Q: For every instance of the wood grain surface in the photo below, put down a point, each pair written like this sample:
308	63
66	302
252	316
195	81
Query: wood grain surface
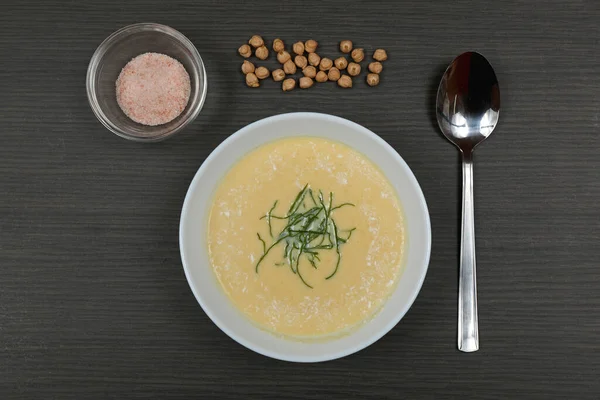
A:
93	300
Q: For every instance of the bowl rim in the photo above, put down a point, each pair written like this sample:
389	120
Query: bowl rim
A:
90	82
273	353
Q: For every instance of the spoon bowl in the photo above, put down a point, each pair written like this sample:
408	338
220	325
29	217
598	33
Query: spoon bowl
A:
468	107
468	101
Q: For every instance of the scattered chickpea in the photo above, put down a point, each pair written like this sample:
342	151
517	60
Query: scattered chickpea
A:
310	71
261	72
373	79
278	75
353	69
358	55
333	74
298	48
262	53
314	59
283	56
247	67
310	46
278	45
321	76
345	81
300	61
289	67
346	46
329	70
288	84
325	64
375	67
380	55
256	41
305	82
341	63
252	80
245	51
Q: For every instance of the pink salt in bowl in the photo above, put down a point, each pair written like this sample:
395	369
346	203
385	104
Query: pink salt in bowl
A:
112	56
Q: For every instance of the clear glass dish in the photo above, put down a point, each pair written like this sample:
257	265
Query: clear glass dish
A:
115	52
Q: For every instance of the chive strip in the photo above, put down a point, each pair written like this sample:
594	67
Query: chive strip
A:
299	199
269	217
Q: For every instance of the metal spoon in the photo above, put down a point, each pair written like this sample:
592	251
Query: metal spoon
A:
468	106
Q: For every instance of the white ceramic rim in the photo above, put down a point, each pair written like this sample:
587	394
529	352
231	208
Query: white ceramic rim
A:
324	354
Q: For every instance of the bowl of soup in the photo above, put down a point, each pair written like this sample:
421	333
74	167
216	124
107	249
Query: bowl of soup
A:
305	237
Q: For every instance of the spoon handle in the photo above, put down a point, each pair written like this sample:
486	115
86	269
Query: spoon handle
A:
468	330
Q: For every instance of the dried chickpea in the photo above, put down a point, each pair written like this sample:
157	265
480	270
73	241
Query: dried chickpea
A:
333	74
289	67
252	80
278	45
256	41
341	63
261	72
298	48
283	56
314	59
310	46
300	61
375	67
245	51
325	64
345	81
288	84
247	67
262	53
321	76
305	82
278	75
373	79
346	46
310	71
358	55
380	55
353	69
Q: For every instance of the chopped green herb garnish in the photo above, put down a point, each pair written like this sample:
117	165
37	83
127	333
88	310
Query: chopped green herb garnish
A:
308	230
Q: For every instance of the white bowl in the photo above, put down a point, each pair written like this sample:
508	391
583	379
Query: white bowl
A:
193	236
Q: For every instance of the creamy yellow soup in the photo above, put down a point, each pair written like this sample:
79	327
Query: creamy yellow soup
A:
306	237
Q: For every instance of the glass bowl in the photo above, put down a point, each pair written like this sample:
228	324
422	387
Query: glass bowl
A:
115	52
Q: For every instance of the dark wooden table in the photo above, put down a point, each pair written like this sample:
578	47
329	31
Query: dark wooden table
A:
93	300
